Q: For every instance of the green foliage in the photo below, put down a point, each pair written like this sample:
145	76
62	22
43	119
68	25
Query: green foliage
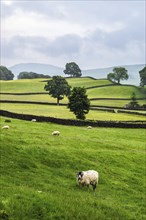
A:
5	74
134	102
79	103
119	73
72	69
38	172
31	75
58	87
142	74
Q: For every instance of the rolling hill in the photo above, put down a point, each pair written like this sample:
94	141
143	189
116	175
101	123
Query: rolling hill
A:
47	69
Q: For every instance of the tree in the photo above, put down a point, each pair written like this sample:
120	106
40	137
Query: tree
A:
5	74
142	74
119	73
31	75
133	103
73	70
58	87
79	103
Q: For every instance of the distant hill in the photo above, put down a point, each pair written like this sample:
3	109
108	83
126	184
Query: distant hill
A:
47	69
133	72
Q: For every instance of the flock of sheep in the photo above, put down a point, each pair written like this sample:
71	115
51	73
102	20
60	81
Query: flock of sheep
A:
84	178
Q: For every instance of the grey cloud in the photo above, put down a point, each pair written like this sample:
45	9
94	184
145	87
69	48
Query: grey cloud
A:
65	45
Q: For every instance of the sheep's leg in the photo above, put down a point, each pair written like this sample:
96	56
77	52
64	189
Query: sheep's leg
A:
88	187
94	187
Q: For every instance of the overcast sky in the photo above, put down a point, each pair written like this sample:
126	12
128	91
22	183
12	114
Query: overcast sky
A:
94	34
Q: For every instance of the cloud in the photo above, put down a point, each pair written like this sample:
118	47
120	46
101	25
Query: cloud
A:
92	33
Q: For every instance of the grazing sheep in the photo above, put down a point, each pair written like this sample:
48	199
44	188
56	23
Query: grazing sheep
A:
33	120
89	127
6	127
57	133
86	178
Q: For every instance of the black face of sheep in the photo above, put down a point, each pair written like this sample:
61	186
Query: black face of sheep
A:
79	175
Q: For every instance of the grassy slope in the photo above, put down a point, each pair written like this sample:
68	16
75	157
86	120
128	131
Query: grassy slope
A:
37	85
116	103
116	92
63	112
32	160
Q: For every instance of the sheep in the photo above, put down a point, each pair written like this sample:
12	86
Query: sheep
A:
57	133
33	120
89	127
6	127
86	178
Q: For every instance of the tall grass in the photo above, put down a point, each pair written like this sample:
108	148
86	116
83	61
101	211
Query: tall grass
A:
38	172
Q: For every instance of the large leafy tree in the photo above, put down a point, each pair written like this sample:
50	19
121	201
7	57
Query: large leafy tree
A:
118	74
142	74
79	103
5	74
58	88
73	70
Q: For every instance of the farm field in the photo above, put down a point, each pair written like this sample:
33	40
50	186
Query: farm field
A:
116	103
38	172
63	112
33	98
37	85
116	92
49	99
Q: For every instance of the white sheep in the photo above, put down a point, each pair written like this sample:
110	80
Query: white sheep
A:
6	127
86	178
33	120
57	133
89	127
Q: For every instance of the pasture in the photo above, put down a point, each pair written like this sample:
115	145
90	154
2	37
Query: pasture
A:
64	112
37	86
38	172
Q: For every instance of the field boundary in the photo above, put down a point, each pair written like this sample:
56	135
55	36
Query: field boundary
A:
114	124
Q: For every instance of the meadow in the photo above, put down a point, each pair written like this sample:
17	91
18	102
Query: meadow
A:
37	86
63	112
38	172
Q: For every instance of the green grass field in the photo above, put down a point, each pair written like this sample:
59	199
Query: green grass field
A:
116	103
38	172
116	92
33	98
63	112
37	85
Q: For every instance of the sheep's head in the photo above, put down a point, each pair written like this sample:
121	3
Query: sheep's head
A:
80	175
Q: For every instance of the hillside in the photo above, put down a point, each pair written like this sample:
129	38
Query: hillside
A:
28	96
38	172
47	69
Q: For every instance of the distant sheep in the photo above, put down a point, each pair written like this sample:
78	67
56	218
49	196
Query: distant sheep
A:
33	120
6	127
86	178
89	127
56	133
